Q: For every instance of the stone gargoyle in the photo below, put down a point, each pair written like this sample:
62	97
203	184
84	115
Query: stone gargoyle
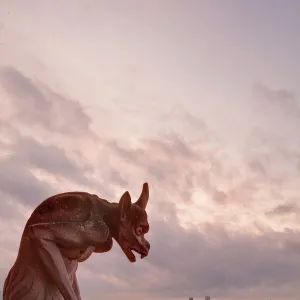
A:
66	229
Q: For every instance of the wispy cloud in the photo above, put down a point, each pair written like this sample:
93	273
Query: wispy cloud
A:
36	105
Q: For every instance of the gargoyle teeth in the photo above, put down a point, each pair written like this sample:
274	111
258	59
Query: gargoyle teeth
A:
139	252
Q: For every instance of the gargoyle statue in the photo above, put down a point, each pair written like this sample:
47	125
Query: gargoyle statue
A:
66	229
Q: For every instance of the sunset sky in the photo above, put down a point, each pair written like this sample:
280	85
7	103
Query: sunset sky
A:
198	98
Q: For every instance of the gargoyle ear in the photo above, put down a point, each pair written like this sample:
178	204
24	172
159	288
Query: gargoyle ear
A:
125	205
144	197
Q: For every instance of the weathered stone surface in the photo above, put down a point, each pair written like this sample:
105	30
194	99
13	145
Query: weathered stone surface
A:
65	230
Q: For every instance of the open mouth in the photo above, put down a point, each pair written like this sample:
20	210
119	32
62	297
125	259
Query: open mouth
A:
140	252
128	250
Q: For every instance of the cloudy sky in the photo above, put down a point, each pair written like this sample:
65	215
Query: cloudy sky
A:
199	98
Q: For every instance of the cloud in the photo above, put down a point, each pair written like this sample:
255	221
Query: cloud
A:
271	150
213	262
51	158
24	158
284	209
200	179
277	114
171	164
282	97
218	264
35	104
17	181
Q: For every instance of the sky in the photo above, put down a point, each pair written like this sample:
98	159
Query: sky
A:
198	98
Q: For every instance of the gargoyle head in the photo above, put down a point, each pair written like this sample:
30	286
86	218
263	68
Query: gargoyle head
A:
134	225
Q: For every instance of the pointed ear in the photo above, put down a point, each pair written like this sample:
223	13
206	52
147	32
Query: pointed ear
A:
125	205
144	197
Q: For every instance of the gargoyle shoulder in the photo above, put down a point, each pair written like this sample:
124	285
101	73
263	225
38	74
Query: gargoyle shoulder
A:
65	207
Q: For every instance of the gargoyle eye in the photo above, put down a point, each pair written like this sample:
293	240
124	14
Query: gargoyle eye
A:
139	230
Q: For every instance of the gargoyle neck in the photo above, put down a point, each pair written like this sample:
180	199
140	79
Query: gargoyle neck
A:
112	219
